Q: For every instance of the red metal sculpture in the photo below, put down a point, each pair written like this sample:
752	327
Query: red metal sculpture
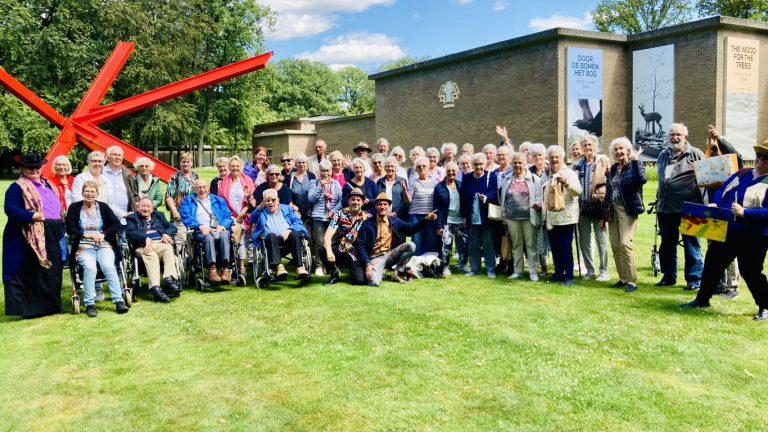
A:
82	125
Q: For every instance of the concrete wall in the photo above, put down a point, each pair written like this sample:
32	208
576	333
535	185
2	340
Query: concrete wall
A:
344	133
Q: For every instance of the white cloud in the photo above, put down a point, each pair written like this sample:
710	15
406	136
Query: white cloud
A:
339	66
356	48
305	18
463	2
583	23
500	5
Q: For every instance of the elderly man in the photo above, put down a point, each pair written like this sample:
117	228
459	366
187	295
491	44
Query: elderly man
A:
314	161
339	242
677	184
211	220
362	150
124	193
278	226
152	237
381	244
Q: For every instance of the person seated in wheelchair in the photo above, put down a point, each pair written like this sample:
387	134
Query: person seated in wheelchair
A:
92	227
151	236
211	221
278	227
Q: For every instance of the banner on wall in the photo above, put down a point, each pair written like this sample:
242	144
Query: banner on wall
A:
653	98
741	80
584	83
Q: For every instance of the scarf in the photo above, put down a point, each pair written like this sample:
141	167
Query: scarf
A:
35	232
328	198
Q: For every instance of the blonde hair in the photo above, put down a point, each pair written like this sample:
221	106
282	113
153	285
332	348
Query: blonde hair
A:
186	155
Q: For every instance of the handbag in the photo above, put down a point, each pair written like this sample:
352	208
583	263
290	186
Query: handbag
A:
713	171
555	196
494	211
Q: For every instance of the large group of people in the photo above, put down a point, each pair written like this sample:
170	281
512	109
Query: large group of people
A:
493	212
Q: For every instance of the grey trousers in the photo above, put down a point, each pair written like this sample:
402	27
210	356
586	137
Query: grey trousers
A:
586	226
397	257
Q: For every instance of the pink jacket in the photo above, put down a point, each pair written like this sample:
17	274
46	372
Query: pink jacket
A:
225	186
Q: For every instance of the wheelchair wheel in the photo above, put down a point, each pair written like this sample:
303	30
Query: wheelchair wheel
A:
241	280
262	282
128	296
75	305
306	258
259	269
199	285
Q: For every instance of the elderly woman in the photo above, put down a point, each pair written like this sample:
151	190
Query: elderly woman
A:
525	148
361	182
95	160
537	155
452	229
434	172
489	150
501	243
592	170
415	153
300	183
237	188
92	227
465	166
377	166
575	151
148	185
180	186
520	199
324	197
338	172
448	150
624	201
399	154
420	196
395	187
256	169
222	166
31	243
561	223
275	182
477	191
745	196
468	150
287	163
62	180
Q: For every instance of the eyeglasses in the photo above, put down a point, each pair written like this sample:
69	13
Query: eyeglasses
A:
270	199
421	166
286	160
273	174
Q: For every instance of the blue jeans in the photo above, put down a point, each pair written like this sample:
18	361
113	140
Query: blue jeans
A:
669	226
425	239
105	256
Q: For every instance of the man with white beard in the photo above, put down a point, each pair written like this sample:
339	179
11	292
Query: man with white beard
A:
677	184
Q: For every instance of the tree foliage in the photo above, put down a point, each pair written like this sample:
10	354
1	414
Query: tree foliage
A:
749	9
300	88
636	16
358	94
401	62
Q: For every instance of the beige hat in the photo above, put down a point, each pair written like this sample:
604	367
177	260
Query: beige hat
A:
762	148
382	197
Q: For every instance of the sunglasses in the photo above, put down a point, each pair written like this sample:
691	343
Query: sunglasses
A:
273	174
286	160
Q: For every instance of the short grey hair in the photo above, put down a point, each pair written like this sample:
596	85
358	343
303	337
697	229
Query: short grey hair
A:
465	158
144	161
536	149
684	127
448	146
325	165
397	150
554	148
90	183
620	142
93	154
478	158
269	192
525	147
418	150
113	148
519	155
469	146
65	160
378	156
382	140
489	147
221	159
301	157
391	161
420	160
504	149
358	161
336	154
451	164
432	152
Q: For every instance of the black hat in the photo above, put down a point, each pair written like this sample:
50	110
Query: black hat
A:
31	160
362	146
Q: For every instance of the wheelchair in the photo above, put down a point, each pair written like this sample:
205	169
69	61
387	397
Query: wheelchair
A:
262	274
193	270
76	276
137	270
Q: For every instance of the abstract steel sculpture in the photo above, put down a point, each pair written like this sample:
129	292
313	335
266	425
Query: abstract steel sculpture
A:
82	125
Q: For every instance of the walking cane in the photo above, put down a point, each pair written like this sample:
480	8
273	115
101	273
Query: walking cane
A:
578	252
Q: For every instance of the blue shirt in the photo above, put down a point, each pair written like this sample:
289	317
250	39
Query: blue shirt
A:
276	223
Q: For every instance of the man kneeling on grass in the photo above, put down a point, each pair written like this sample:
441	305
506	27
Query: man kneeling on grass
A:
381	242
278	226
338	249
152	237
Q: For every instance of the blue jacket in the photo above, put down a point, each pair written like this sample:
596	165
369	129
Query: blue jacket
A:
218	207
369	189
366	237
442	201
742	187
471	186
136	228
631	187
259	223
399	206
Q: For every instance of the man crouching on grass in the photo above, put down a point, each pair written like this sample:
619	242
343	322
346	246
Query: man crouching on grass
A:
381	241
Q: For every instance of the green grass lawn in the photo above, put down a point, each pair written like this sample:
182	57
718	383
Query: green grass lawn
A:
458	354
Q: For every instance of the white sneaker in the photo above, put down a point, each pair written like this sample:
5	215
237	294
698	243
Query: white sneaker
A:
469	273
603	277
319	272
534	278
514	276
446	271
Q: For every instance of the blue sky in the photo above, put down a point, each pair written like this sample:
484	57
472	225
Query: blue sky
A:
366	33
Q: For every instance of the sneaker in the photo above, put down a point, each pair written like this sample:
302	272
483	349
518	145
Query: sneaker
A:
491	275
121	308
691	287
462	268
630	287
534	277
319	272
588	276
99	293
730	294
722	288
603	277
514	276
446	271
619	284
567	282
762	314
469	273
91	311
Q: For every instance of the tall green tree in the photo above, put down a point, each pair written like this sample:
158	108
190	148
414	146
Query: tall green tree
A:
300	88
749	9
636	16
401	62
358	94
